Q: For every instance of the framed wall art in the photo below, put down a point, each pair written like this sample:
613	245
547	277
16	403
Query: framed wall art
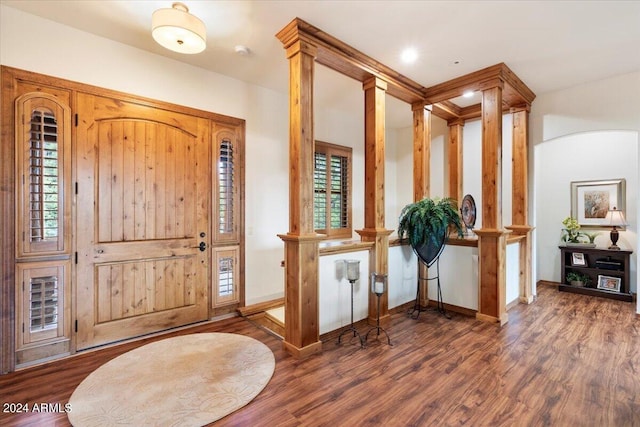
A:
609	283
590	200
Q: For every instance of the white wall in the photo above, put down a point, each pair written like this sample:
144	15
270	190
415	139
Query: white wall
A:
403	275
513	272
458	277
580	157
605	105
335	291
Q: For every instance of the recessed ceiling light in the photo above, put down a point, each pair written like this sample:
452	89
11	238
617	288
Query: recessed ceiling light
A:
409	55
468	94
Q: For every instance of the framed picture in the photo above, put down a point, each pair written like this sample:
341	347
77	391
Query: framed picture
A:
577	258
609	283
590	200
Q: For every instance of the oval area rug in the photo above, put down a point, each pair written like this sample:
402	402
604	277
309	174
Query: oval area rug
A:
189	380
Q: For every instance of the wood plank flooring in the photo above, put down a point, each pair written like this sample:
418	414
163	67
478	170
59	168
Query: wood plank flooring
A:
565	360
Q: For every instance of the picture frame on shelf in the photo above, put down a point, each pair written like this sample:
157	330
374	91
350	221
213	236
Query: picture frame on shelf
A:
578	259
591	200
609	283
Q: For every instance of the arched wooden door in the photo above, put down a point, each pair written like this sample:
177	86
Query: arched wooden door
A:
142	228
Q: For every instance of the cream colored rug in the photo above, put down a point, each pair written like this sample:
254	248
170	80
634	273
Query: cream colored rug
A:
190	380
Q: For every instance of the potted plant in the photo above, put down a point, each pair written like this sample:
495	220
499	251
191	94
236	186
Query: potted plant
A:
578	279
573	236
592	237
426	225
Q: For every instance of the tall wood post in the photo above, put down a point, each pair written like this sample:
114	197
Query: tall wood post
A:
492	236
421	175
374	158
302	329
454	151
520	197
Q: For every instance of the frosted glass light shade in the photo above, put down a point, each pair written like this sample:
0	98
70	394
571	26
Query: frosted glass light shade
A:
353	269
178	30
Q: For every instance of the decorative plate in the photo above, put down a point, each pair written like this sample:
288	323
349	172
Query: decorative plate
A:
468	211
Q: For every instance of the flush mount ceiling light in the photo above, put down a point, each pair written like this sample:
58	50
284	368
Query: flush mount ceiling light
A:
178	30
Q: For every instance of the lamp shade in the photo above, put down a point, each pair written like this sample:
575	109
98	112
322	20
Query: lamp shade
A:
615	218
178	30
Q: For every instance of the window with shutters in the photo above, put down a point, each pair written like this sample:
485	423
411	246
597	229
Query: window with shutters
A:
225	186
41	305
332	190
42	224
43	177
43	138
227	200
227	286
227	276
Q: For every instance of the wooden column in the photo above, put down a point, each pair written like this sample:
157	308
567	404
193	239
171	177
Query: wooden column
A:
374	157
301	336
492	236
520	197
421	174
454	150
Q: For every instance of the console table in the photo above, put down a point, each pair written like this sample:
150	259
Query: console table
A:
595	263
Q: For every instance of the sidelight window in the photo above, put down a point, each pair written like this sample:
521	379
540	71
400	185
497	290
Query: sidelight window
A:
44	190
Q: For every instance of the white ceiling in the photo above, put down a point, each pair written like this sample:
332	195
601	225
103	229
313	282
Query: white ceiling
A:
550	45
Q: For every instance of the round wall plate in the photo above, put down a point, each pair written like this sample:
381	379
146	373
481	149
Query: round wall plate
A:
468	211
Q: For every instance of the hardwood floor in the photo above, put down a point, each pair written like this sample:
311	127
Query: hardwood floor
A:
565	360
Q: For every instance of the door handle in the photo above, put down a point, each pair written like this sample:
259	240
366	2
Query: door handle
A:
202	246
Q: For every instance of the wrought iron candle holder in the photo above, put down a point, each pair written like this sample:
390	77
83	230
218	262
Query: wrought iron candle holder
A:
378	287
353	274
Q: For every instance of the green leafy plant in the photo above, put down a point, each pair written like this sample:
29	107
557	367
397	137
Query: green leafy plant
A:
428	220
591	236
573	276
571	233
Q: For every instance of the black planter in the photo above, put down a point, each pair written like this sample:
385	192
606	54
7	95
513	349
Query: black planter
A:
430	251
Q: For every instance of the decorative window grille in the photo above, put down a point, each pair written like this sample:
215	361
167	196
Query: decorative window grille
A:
226	187
332	190
43	303
44	191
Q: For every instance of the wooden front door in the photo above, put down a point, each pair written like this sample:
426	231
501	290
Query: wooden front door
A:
142	230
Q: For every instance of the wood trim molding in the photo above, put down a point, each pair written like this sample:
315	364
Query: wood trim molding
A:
343	58
341	247
493	76
7	230
260	307
353	63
